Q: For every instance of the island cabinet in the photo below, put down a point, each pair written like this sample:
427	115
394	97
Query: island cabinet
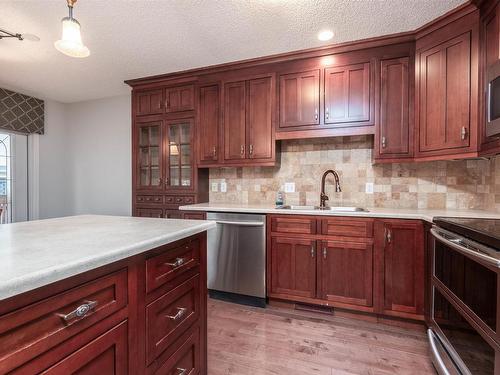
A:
142	315
363	264
447	90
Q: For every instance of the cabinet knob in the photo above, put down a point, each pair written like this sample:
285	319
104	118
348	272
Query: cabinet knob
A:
327	113
250	150
388	236
214	152
316	114
324	252
463	133
384	142
312	251
242	150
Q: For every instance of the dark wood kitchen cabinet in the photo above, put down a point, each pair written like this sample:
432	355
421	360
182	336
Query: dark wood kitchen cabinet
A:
400	247
209	124
447	89
179	99
293	267
149	102
248	122
345	272
299	99
140	315
347	95
394	138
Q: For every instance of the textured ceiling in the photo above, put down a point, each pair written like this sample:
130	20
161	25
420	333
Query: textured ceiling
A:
136	38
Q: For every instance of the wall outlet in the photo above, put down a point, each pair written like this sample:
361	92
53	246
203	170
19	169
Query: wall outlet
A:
289	187
369	188
223	187
215	187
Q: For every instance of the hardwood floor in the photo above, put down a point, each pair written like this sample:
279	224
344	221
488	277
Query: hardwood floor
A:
252	341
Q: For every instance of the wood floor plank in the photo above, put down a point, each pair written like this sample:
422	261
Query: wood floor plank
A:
245	340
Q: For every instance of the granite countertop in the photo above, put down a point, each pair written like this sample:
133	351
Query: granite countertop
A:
396	213
37	253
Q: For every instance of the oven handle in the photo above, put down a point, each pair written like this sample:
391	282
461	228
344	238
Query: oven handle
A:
482	257
241	223
435	353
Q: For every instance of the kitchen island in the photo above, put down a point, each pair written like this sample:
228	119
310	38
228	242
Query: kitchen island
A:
103	294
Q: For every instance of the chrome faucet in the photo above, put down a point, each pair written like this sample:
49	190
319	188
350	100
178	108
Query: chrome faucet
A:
323	197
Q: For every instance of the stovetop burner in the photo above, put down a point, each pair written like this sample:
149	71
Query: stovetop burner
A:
484	231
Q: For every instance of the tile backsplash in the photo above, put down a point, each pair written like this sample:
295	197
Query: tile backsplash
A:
464	184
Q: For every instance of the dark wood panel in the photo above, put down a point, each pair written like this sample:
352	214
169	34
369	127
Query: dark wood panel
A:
394	130
347	227
149	102
492	37
194	215
209	123
293	224
149	212
259	113
293	267
299	99
235	121
347	95
345	272
179	98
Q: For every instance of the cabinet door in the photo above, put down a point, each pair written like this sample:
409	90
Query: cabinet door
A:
208	125
149	212
403	286
345	272
259	118
394	132
444	96
149	155
149	102
299	99
492	37
347	95
293	267
179	99
234	120
180	169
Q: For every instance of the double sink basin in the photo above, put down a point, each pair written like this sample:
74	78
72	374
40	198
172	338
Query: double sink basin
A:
317	208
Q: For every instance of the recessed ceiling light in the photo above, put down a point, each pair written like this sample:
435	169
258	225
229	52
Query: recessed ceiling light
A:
325	35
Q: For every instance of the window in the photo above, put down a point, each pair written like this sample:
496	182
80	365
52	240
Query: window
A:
5	179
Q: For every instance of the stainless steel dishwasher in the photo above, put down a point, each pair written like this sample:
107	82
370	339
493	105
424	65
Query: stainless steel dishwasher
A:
237	258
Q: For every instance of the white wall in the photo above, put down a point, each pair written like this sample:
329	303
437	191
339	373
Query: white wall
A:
54	182
99	156
20	177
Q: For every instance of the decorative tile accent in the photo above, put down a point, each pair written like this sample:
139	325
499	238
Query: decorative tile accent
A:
463	184
21	113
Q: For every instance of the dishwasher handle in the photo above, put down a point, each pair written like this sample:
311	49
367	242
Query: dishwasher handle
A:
241	223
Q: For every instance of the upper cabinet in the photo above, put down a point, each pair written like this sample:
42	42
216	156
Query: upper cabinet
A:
299	99
447	90
248	122
178	99
394	138
148	154
149	102
347	95
208	124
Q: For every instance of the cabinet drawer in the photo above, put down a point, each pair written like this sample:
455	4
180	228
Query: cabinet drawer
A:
105	354
149	199
27	332
179	199
347	227
182	359
175	261
293	224
170	315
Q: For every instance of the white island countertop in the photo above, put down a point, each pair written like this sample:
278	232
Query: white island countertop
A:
394	213
36	253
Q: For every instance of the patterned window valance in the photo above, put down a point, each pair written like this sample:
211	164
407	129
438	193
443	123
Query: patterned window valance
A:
21	113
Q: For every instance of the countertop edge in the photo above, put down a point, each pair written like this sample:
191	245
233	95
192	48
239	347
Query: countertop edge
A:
30	282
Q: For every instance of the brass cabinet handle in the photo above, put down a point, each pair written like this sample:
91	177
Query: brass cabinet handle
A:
388	235
251	149
463	133
312	251
214	152
316	114
181	311
80	311
178	262
384	143
324	252
242	149
181	371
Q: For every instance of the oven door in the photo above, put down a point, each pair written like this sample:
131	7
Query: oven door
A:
464	316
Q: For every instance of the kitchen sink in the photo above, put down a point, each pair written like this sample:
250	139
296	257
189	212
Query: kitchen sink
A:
317	208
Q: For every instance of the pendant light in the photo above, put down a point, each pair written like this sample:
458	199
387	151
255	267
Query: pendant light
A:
71	41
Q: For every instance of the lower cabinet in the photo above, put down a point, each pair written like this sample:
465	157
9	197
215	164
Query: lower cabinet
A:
379	271
345	272
293	266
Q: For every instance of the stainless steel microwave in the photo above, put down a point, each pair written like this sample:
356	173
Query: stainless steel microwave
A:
493	101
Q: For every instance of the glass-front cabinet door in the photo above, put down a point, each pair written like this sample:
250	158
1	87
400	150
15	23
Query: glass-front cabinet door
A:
149	158
179	154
